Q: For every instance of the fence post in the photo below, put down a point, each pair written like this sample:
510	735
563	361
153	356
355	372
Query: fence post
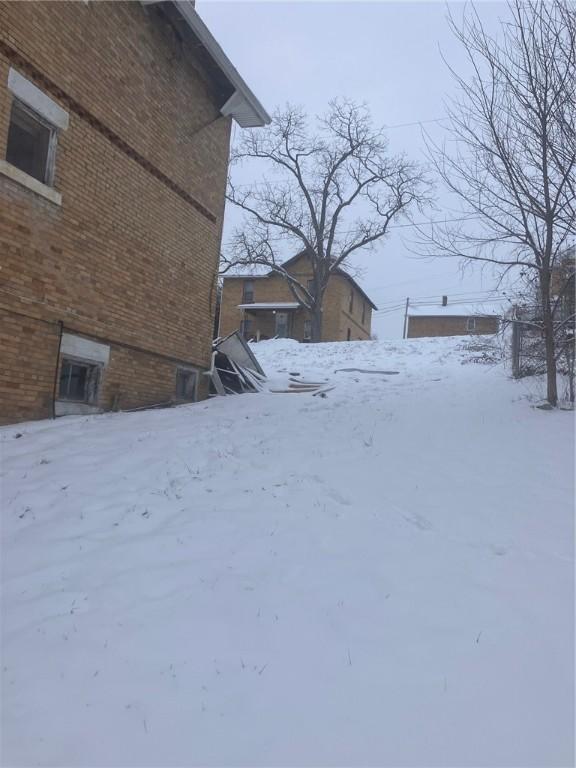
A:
515	349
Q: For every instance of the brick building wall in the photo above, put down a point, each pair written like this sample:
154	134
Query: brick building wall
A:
337	318
419	326
129	257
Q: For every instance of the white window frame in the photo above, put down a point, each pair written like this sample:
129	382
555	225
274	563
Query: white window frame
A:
40	107
93	383
183	369
50	167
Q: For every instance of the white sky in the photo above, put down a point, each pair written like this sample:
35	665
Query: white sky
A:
384	53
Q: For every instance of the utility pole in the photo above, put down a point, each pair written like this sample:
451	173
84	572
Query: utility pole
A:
406	317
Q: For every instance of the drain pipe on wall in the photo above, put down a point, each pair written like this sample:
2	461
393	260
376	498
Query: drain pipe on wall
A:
55	388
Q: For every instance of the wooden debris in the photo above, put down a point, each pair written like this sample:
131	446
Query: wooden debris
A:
365	370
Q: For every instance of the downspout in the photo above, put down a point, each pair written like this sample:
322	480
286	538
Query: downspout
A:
55	388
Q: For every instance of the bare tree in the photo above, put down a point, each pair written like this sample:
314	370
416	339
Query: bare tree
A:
510	153
331	193
528	348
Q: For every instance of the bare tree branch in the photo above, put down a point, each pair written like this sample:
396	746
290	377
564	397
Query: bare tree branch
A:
510	155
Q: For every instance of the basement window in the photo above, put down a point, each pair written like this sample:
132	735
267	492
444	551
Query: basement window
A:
471	325
186	384
31	145
79	381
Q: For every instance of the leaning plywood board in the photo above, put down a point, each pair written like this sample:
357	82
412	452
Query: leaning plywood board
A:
238	351
308	383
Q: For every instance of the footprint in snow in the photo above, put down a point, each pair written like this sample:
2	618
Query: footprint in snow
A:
418	521
336	496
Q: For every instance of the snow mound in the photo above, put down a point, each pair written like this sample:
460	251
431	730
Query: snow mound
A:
383	576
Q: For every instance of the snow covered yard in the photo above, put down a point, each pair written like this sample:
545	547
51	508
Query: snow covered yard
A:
383	576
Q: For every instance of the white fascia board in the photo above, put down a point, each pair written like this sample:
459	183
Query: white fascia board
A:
85	349
243	105
33	97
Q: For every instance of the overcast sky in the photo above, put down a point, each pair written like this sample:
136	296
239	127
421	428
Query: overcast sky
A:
384	53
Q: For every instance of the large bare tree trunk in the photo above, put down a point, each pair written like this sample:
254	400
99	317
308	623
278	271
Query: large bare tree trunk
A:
316	324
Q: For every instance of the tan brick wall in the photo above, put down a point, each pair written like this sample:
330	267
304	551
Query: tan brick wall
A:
28	350
449	326
336	321
131	255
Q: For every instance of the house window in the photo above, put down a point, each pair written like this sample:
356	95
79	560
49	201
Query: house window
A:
31	144
307	330
185	384
348	335
79	381
363	312
246	328
351	304
248	292
471	325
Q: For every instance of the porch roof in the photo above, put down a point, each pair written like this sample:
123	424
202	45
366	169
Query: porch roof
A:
270	305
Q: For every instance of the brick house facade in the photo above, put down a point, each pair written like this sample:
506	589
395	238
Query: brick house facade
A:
115	124
420	325
263	306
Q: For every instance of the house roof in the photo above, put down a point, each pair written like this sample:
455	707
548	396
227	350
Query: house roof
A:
242	105
246	274
455	310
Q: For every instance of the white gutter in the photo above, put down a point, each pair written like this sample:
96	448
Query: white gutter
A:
243	105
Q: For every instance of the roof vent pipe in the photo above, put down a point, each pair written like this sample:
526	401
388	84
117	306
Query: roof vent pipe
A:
444	301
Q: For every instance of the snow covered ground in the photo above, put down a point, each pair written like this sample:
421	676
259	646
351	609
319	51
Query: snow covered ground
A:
383	576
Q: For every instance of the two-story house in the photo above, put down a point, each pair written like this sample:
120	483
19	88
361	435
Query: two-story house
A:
115	124
263	306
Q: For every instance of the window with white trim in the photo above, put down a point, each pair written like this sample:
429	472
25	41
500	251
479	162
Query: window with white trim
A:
307	330
186	384
471	324
31	143
79	381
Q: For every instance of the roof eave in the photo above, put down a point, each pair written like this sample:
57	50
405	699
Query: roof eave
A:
243	105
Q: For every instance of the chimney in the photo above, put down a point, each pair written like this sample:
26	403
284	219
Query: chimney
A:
444	301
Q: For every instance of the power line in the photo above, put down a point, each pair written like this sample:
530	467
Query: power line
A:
458	303
487	292
460	296
418	122
396	226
